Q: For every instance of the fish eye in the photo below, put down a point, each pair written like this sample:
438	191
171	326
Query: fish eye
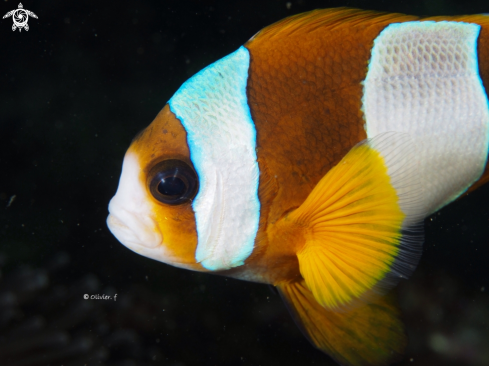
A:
173	182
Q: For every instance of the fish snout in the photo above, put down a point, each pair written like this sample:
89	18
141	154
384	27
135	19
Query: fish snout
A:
133	229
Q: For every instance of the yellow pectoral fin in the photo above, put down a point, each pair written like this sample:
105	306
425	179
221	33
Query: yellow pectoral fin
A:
357	223
369	335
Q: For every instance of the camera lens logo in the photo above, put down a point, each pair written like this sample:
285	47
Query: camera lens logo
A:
20	17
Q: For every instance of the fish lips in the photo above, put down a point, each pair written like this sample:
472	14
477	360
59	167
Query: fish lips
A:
134	231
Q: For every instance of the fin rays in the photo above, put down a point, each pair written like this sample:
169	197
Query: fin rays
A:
355	223
371	334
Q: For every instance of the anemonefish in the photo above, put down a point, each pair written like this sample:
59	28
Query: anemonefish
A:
308	159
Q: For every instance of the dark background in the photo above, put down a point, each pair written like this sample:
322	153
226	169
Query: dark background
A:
74	90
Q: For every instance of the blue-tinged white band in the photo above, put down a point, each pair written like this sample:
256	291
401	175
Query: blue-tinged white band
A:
213	108
423	79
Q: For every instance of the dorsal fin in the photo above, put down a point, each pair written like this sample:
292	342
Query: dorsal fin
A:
300	24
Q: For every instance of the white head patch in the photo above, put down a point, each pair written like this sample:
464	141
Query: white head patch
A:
213	108
131	218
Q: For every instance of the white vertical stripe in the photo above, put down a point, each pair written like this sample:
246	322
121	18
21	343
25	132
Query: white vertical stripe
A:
213	108
423	79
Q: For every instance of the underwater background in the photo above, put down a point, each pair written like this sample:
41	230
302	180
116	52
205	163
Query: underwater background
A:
74	90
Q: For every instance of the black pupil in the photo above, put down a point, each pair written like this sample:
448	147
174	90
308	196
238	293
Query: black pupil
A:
172	186
173	182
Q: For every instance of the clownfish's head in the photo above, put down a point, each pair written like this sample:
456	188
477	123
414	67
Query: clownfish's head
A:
188	193
151	212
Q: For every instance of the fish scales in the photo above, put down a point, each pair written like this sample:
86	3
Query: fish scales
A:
308	159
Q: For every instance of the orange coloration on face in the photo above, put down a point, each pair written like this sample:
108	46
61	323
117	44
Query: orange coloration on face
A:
165	138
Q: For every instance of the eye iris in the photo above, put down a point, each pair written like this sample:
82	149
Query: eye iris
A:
173	182
172	186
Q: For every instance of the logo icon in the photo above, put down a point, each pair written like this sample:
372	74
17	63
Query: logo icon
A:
20	17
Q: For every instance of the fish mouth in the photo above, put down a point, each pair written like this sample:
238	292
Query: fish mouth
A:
148	243
122	232
134	231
